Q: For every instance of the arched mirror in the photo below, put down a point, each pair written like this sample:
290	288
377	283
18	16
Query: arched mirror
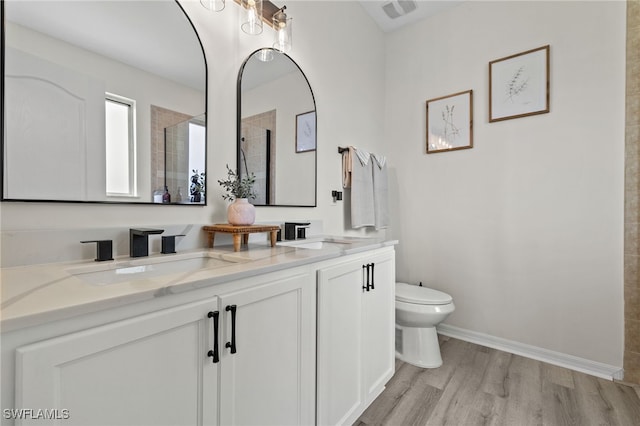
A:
277	130
104	101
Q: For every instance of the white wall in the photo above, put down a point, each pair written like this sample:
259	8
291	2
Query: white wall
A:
525	230
346	71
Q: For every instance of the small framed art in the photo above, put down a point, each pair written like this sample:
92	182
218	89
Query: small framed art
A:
450	122
306	132
519	85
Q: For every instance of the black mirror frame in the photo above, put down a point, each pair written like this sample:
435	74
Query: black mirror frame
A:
138	203
239	125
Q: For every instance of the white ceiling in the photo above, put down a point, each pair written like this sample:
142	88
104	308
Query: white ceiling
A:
423	9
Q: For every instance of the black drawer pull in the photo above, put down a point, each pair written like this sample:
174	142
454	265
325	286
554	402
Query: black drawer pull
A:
214	353
372	276
232	343
365	281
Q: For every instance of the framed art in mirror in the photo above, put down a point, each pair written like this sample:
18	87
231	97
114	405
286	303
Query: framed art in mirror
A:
306	132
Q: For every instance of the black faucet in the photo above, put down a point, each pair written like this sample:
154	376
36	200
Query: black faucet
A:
104	250
169	243
295	230
139	241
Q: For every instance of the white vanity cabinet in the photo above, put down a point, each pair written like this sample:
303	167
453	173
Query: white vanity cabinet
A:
297	345
270	379
159	369
356	316
148	370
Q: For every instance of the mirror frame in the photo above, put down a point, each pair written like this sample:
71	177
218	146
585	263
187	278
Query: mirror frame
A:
135	203
239	126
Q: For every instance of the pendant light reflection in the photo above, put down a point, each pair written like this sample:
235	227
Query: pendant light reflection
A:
282	26
213	5
265	55
251	16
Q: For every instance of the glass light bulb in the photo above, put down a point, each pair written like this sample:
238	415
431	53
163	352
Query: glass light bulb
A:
282	24
252	23
213	5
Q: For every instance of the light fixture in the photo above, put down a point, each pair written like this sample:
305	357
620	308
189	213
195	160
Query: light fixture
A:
282	26
251	16
213	5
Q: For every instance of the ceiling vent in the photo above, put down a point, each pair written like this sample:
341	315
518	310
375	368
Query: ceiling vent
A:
396	8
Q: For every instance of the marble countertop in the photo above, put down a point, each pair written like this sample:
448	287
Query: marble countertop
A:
37	294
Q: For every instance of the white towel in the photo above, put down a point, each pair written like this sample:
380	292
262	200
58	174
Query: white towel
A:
380	191
380	159
363	156
362	201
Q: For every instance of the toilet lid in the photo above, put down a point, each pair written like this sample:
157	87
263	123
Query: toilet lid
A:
421	295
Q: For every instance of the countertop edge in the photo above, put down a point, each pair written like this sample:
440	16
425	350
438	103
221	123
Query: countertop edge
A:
254	268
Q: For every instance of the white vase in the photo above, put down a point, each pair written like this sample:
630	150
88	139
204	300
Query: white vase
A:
241	212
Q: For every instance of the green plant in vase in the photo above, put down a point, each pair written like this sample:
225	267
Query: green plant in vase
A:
197	186
239	190
238	187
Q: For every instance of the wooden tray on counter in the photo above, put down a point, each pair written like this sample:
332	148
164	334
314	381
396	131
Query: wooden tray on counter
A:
240	233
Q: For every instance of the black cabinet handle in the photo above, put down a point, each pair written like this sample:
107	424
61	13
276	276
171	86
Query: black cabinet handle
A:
368	281
214	353
232	343
365	283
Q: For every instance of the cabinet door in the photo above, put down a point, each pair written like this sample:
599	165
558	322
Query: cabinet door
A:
378	322
148	370
270	379
339	343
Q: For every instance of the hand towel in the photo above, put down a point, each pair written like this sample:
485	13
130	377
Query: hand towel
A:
380	191
362	201
347	156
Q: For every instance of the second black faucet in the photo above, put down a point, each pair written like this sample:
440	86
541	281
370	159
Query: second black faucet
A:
139	241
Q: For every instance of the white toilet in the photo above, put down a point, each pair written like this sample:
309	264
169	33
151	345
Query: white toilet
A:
418	311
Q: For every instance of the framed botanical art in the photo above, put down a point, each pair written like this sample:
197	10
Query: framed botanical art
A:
450	122
519	85
306	132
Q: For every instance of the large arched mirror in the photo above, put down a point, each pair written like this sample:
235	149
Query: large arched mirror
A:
277	130
104	101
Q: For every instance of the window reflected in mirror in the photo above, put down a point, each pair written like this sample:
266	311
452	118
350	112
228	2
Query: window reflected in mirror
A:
120	145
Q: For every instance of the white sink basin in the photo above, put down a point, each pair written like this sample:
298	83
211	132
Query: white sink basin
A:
318	243
136	269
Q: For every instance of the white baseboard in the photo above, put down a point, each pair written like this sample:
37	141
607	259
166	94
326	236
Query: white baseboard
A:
571	362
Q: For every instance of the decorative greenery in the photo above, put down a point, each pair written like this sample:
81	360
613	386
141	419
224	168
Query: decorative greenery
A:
236	186
197	182
517	84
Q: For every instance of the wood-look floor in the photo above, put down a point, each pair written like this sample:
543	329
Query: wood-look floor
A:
481	386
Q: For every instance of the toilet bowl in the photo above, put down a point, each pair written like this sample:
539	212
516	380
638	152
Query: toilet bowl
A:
418	311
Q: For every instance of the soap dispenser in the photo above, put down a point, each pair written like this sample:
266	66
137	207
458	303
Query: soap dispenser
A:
166	197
